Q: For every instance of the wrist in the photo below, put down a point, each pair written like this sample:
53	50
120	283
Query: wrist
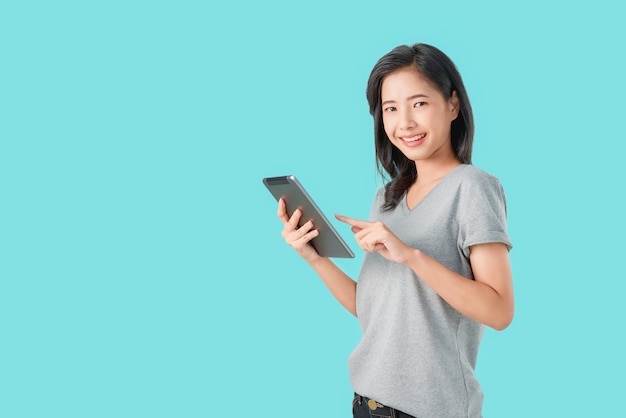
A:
413	257
315	260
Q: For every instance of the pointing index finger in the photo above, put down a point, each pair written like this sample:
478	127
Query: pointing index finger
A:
352	221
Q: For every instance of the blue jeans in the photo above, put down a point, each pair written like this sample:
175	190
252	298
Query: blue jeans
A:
363	407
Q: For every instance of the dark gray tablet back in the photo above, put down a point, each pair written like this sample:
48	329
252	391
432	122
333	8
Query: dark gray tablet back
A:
328	243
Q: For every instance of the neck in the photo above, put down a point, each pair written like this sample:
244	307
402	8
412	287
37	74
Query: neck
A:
428	170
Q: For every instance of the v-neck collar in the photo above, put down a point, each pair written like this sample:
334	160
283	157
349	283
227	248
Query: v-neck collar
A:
404	203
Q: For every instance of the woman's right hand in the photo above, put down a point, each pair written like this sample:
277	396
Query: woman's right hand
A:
298	238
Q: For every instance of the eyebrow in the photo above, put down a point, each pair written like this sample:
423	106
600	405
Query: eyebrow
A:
415	96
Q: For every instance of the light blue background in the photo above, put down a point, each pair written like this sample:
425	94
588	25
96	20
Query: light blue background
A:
142	273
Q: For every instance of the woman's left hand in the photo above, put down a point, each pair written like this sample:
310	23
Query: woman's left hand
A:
376	237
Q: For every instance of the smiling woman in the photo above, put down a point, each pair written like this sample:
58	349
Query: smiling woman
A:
408	121
436	267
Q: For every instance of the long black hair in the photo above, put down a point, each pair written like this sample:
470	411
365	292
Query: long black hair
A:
439	69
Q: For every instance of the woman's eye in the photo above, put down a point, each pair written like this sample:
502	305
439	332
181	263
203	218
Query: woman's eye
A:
419	104
390	109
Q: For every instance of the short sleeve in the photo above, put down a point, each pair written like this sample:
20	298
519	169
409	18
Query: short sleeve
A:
482	214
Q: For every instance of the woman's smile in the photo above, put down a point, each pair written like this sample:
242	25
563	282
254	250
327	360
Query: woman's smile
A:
414	140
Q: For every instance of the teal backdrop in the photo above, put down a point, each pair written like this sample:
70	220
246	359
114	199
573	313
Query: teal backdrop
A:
142	272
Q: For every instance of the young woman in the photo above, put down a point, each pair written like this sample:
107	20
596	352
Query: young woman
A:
436	266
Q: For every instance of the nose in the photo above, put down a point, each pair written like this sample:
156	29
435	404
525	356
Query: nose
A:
407	118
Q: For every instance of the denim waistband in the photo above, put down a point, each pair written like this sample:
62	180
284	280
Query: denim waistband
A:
379	409
371	403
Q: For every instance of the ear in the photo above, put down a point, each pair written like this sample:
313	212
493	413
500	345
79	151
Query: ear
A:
454	105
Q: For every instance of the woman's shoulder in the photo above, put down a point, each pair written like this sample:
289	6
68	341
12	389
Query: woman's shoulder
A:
380	194
469	175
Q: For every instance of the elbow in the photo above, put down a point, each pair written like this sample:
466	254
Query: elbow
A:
502	321
501	326
502	313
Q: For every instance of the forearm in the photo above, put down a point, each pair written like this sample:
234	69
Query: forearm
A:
472	298
342	287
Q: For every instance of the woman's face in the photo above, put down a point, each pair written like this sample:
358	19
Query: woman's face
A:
416	116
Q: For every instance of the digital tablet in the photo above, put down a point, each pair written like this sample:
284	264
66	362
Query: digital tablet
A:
328	243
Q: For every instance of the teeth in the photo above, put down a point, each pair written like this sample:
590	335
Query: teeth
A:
414	138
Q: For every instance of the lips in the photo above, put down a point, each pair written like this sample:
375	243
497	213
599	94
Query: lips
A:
414	140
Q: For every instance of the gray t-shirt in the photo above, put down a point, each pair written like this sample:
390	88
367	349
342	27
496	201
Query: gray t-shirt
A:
418	353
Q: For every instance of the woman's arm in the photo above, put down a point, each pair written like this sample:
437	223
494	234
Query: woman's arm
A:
487	299
342	287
